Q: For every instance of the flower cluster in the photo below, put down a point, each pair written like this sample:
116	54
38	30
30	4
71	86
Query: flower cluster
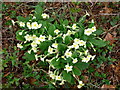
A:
64	49
90	31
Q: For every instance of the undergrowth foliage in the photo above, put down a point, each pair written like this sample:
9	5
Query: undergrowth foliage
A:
61	49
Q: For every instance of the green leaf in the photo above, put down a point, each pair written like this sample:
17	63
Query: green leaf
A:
82	65
22	19
91	25
38	10
68	39
67	76
51	30
57	64
62	47
99	43
65	22
59	39
82	28
19	37
44	45
82	19
98	32
29	57
76	71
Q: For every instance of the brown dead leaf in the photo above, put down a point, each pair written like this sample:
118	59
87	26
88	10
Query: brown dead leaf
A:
110	38
108	87
114	33
32	80
85	80
106	9
6	74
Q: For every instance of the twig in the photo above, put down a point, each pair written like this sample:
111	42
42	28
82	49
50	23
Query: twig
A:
113	27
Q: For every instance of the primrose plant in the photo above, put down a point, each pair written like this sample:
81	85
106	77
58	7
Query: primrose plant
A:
65	45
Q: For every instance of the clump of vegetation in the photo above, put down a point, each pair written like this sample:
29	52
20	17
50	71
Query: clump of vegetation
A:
56	53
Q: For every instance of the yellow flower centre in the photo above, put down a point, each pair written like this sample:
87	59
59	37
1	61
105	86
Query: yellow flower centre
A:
68	67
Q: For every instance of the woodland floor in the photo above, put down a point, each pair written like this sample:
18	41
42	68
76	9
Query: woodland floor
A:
105	15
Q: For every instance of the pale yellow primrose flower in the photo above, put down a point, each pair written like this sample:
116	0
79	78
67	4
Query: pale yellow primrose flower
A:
29	25
62	82
42	38
76	46
34	49
20	33
91	57
69	32
34	44
34	25
76	40
34	17
36	57
29	51
58	78
81	43
37	40
75	60
44	15
86	52
19	45
53	76
68	68
39	25
28	37
22	24
70	47
80	84
50	50
34	37
93	29
85	59
50	37
88	31
56	31
74	26
55	45
63	57
68	53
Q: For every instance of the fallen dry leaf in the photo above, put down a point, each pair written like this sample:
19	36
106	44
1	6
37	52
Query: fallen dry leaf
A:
86	78
32	80
110	38
108	87
106	9
6	74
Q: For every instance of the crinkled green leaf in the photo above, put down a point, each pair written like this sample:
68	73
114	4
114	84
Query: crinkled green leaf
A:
82	65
